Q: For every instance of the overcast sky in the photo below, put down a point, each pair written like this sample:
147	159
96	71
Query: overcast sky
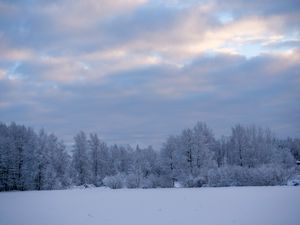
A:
135	71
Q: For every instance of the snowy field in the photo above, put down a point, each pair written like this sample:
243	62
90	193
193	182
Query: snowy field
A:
207	206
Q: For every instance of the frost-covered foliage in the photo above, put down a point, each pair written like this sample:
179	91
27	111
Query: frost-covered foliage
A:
31	161
249	156
252	147
195	158
294	181
132	181
266	175
293	145
81	166
114	182
185	157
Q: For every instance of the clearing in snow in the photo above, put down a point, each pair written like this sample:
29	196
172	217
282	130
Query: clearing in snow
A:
207	206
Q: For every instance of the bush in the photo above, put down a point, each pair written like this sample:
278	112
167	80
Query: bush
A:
164	182
132	181
191	181
294	181
114	182
150	182
265	175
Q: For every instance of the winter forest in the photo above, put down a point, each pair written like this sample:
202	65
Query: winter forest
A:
250	155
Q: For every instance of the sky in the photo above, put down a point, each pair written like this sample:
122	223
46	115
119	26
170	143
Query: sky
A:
136	71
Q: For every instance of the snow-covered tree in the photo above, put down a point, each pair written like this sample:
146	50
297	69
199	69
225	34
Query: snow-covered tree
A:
249	156
203	145
293	144
99	158
80	160
120	159
169	160
59	169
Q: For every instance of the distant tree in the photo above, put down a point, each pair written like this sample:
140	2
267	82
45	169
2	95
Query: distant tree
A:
99	158
249	156
187	149
23	157
187	157
204	145
42	161
170	164
292	144
238	145
120	159
143	167
80	160
221	152
51	163
6	162
59	169
253	146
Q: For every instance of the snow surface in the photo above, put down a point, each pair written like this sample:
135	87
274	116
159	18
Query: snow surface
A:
207	206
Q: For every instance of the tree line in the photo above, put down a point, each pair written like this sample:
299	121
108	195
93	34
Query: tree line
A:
250	155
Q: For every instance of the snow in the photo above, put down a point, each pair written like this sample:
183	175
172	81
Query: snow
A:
209	206
295	181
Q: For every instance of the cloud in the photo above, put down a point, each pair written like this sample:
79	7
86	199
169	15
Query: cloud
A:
141	105
136	71
178	35
2	74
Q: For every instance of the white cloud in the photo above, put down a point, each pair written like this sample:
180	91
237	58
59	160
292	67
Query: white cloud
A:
2	74
83	14
112	61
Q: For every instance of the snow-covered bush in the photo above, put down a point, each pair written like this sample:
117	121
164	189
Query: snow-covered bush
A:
114	182
83	186
147	183
132	181
219	177
191	181
150	182
164	182
265	175
249	156
294	181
